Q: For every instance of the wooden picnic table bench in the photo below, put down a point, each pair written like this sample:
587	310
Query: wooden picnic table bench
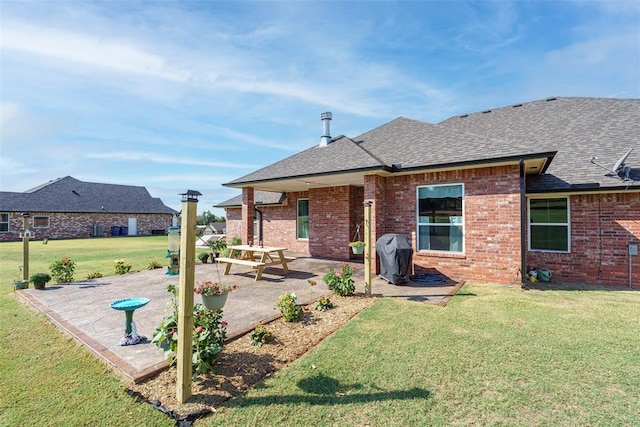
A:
256	257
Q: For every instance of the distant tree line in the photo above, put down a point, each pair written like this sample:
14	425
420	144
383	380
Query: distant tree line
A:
207	218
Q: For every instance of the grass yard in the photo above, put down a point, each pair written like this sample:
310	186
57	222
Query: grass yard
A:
493	356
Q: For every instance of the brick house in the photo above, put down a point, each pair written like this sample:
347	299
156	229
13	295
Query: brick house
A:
482	196
66	208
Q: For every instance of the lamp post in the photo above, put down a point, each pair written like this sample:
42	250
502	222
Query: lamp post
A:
185	294
25	245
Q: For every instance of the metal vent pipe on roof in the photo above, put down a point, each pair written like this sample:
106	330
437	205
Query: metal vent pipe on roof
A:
325	139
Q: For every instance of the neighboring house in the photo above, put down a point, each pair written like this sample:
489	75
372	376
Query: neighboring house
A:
67	208
215	228
483	196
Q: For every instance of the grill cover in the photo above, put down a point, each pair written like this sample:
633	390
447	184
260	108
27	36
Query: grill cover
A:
395	254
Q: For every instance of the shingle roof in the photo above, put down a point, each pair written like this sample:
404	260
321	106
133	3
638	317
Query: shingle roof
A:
575	128
259	198
71	195
578	128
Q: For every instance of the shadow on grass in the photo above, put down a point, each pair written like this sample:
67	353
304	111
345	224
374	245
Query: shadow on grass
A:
573	286
323	390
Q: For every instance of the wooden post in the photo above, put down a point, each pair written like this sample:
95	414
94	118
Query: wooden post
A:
25	246
185	296
367	248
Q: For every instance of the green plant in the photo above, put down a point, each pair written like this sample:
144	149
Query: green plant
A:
203	256
121	267
39	280
153	265
356	244
94	275
260	335
209	288
342	282
62	270
209	333
324	303
218	245
287	305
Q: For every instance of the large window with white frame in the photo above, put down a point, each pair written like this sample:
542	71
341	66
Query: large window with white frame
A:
549	226
4	222
40	221
441	218
303	219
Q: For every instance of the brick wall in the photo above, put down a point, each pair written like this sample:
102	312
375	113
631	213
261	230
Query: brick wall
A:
602	227
491	220
80	225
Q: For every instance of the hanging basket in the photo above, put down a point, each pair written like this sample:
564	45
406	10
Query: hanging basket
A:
214	302
357	245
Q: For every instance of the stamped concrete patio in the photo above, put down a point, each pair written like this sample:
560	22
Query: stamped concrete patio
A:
82	308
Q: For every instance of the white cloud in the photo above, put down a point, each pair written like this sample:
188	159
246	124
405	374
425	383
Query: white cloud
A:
180	158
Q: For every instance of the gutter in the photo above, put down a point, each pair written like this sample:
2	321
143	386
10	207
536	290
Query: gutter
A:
523	227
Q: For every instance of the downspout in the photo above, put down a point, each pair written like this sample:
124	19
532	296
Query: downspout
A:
259	226
523	227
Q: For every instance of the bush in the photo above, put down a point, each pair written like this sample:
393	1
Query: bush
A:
121	267
260	335
203	256
341	283
324	303
287	305
62	270
94	275
153	265
209	333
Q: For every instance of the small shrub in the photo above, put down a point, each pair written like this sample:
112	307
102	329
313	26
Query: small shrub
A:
94	275
324	303
260	335
62	270
121	267
341	283
287	305
153	265
209	333
203	256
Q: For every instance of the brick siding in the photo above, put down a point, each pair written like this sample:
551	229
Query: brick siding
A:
79	225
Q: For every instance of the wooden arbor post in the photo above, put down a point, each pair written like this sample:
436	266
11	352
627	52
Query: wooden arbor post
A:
185	293
367	248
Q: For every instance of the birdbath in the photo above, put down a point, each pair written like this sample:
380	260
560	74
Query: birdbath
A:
129	305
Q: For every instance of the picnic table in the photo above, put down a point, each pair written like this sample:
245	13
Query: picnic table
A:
256	257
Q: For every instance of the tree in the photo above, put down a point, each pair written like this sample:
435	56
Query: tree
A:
207	218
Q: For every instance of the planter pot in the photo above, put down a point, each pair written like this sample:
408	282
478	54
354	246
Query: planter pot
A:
38	285
21	284
357	249
214	302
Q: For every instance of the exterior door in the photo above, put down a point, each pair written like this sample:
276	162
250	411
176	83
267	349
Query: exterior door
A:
133	227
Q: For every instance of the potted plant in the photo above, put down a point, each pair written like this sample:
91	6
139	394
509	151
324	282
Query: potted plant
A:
39	280
213	294
20	284
203	256
217	247
357	247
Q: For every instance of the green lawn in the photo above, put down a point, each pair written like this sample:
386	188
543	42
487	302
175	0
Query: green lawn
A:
493	356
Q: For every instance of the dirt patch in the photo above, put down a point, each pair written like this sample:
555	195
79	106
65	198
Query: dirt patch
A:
241	364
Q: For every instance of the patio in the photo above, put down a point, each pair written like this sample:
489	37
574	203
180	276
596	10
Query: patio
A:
82	308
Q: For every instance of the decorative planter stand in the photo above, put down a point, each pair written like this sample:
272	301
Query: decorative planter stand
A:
214	302
130	305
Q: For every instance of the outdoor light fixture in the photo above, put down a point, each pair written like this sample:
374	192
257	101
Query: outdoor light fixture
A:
190	196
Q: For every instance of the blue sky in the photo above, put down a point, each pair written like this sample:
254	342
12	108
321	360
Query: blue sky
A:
188	95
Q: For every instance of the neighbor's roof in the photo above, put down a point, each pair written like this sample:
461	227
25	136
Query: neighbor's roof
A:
259	198
71	195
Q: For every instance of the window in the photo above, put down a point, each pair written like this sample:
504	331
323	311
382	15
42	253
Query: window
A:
549	225
4	222
303	218
40	222
440	218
